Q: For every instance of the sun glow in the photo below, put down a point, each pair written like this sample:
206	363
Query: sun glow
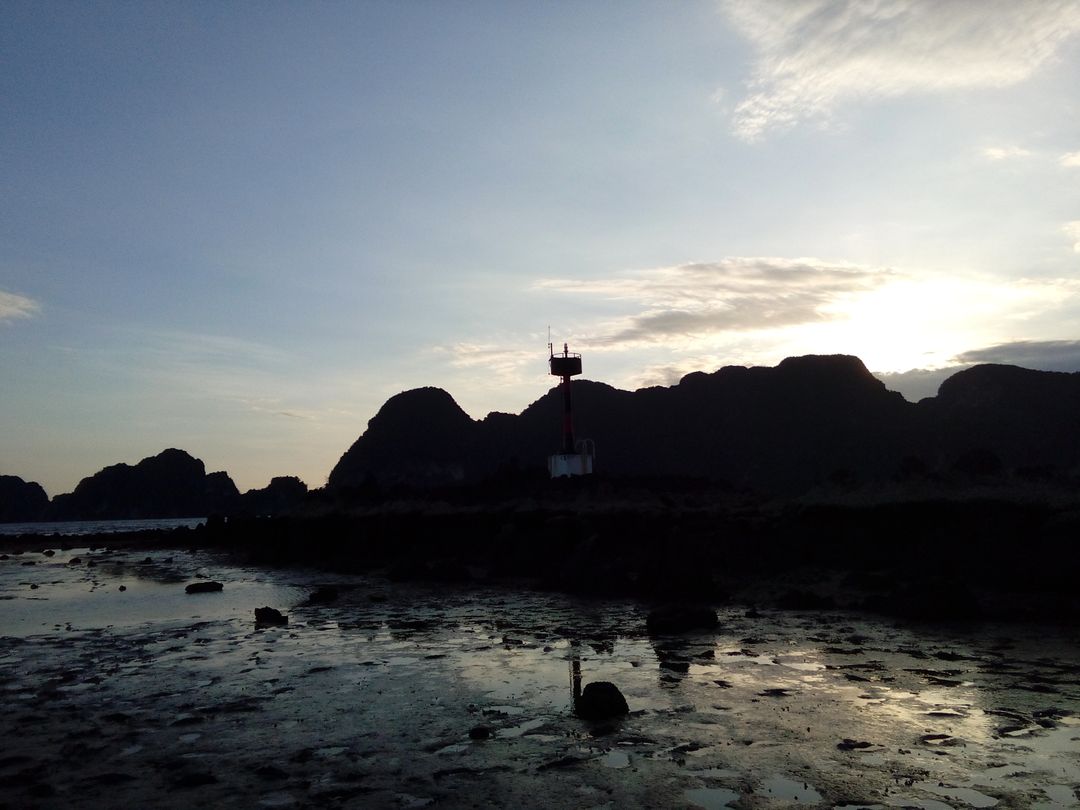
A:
925	323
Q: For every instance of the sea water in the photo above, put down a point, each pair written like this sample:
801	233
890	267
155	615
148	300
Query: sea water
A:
77	528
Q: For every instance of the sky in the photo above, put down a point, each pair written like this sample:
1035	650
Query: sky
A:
238	228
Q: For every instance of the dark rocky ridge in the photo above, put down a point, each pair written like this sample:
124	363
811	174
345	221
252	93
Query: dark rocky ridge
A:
808	421
20	500
170	484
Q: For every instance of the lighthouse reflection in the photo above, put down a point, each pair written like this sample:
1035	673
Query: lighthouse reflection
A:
575	673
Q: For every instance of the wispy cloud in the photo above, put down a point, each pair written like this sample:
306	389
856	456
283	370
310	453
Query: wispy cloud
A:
731	295
13	306
814	55
1070	160
1072	230
1005	152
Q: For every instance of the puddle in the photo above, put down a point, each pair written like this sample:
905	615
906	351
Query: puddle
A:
791	790
78	597
517	731
925	804
716	773
969	796
277	800
712	798
1058	797
615	759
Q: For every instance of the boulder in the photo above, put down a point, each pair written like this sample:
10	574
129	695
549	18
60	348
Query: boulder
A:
271	616
203	587
323	595
601	700
681	619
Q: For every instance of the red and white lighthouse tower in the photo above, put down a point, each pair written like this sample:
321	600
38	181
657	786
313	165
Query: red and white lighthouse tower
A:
575	456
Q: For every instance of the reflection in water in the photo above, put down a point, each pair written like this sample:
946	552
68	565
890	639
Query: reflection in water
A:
575	673
792	696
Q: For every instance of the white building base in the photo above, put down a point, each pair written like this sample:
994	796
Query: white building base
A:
562	465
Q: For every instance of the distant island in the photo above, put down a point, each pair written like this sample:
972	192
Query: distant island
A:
812	421
171	484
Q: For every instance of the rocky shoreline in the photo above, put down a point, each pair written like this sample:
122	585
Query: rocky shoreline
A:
939	559
381	692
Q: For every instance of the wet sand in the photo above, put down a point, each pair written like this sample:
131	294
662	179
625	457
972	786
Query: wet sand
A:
152	697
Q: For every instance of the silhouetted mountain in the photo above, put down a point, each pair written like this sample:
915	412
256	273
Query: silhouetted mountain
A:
21	501
282	494
809	420
170	484
420	436
1029	420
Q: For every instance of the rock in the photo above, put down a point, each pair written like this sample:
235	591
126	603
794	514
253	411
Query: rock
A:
681	619
193	780
268	615
281	495
122	588
601	700
271	772
853	745
49	552
323	595
480	733
797	599
776	692
203	587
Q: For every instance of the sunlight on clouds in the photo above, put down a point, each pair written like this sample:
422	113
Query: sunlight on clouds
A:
759	310
1072	230
1070	160
14	306
498	362
814	55
1005	152
927	322
680	305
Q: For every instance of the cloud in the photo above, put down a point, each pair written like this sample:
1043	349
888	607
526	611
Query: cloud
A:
13	306
731	295
1070	160
918	383
814	55
1046	355
1072	230
1005	152
1042	355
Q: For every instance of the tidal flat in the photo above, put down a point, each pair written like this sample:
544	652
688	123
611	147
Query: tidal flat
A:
121	689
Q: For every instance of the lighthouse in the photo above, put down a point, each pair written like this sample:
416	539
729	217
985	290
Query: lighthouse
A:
575	457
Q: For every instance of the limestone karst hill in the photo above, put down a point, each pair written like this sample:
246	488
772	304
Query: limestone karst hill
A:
809	420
